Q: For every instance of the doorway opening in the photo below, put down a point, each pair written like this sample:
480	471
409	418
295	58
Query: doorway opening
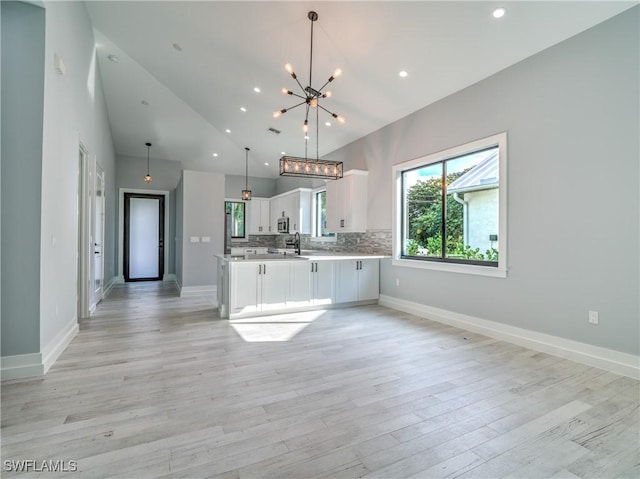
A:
143	258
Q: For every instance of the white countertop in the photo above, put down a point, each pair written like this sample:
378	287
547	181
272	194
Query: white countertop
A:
305	256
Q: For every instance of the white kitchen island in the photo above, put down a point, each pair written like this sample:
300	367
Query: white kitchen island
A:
262	284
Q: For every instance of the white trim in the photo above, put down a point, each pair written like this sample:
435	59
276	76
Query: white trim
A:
21	366
52	351
121	224
499	140
206	290
603	358
112	282
178	285
451	267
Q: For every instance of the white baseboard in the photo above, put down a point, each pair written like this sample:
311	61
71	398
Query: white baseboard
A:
57	345
21	366
169	277
603	358
206	290
109	286
37	364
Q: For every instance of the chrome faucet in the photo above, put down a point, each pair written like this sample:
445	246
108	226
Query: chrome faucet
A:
297	243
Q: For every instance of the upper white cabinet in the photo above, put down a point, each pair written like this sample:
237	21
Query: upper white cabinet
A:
347	203
259	216
295	205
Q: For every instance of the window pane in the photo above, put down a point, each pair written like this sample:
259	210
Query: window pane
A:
235	218
422	211
472	206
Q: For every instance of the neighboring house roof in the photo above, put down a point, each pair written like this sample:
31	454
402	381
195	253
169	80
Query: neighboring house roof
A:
483	176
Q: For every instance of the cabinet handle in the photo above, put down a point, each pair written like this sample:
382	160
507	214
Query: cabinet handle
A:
316	267
264	269
259	228
259	269
341	223
312	267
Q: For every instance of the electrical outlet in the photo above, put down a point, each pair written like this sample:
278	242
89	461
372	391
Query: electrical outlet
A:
398	282
593	317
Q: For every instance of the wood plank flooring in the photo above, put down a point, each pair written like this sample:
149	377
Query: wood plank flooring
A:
156	386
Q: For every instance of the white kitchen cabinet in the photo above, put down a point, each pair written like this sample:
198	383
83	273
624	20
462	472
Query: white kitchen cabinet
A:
323	282
257	287
300	284
357	280
347	203
295	205
259	216
274	284
244	287
311	283
277	210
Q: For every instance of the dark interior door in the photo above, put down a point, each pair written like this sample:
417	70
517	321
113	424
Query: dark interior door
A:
143	237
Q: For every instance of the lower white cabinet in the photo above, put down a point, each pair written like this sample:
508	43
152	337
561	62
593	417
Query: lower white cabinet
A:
257	287
357	280
311	283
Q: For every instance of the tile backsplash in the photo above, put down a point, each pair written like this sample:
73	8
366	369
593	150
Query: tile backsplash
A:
372	242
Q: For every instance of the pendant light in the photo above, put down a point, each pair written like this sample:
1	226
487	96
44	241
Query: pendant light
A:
147	178
246	193
311	98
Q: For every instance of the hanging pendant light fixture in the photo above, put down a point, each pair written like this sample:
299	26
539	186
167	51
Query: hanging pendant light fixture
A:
306	167
246	193
147	178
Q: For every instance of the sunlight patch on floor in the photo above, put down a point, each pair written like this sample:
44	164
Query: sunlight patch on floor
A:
282	327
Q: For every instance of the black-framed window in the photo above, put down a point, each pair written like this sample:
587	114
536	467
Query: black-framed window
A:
236	218
451	207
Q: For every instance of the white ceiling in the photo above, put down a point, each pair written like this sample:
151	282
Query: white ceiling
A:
228	48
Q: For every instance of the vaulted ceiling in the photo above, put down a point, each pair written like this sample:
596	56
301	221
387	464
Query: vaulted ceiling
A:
178	73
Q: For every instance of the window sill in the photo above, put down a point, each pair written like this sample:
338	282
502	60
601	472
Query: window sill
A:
452	267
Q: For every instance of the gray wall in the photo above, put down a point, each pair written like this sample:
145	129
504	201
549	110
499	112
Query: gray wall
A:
166	175
74	111
260	187
572	118
202	215
22	70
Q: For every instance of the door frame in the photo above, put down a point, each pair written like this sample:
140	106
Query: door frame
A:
95	296
83	225
167	239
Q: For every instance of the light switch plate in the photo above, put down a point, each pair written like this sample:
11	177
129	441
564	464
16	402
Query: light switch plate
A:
195	239
206	239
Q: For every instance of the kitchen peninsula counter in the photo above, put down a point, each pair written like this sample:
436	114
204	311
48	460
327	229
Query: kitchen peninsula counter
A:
273	283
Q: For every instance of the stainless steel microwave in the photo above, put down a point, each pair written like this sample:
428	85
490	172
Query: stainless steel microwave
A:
283	225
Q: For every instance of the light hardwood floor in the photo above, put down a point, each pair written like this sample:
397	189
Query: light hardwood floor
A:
157	386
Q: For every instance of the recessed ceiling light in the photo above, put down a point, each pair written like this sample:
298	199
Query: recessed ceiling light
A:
113	58
145	102
327	123
256	89
215	155
243	109
499	12
228	130
266	164
403	74
282	153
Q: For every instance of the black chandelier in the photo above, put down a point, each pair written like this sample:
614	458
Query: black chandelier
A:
309	167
